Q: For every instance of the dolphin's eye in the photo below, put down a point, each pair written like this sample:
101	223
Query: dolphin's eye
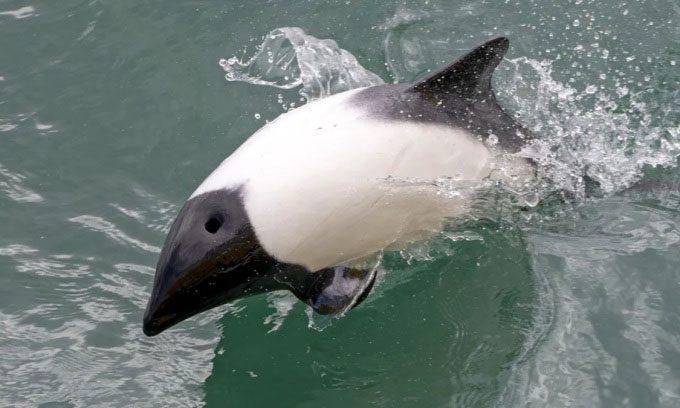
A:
213	224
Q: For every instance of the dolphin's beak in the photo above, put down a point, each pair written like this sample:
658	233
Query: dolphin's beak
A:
178	294
200	269
183	288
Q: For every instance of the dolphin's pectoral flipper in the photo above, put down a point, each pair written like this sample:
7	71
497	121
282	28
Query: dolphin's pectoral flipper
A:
338	289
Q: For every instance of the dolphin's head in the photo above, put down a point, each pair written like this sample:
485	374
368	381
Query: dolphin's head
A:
211	256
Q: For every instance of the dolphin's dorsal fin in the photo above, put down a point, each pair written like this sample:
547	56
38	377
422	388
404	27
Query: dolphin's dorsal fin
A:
468	77
461	95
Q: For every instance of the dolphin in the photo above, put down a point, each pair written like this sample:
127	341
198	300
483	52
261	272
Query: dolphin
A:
309	199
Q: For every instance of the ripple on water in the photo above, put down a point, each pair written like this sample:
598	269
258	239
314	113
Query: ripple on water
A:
72	333
154	213
99	224
20	13
614	338
13	185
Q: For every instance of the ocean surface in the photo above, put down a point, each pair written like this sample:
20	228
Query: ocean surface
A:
112	112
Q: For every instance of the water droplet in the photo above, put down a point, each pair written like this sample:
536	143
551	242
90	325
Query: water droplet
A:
257	116
576	23
591	89
531	199
492	140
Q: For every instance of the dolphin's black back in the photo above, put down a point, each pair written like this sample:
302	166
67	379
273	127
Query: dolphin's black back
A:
459	95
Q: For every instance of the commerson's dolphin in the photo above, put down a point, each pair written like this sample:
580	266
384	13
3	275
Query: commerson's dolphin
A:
308	198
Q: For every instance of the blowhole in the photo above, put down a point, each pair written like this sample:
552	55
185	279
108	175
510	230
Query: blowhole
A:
213	224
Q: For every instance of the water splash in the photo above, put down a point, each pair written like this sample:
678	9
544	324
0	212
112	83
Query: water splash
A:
283	302
606	137
289	58
405	56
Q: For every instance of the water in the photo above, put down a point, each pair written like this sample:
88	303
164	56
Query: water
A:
112	112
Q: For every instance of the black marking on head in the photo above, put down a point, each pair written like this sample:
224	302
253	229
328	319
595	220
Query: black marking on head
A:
207	224
211	256
459	95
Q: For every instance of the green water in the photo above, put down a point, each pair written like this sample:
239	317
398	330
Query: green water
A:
111	113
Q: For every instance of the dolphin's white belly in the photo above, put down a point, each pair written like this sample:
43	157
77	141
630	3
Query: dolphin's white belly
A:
319	187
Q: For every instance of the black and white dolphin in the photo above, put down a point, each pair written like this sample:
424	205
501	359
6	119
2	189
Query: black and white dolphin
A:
308	197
